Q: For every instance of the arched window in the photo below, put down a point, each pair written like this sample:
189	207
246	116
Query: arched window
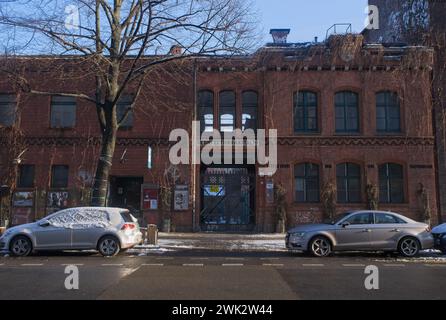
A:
391	183
306	177
249	110
206	110
305	112
348	180
347	112
388	112
227	111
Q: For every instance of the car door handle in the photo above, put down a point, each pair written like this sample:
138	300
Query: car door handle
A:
368	230
396	230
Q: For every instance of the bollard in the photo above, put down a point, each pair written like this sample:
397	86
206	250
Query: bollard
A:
152	234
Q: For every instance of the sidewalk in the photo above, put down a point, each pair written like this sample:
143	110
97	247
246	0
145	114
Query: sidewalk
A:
215	241
170	242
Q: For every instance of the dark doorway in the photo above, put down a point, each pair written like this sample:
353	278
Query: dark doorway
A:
228	198
125	192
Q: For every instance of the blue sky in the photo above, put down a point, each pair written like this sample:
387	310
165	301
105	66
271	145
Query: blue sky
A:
309	18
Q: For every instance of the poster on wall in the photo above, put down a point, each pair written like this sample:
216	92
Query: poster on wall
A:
214	191
57	199
22	215
181	198
150	197
23	199
270	192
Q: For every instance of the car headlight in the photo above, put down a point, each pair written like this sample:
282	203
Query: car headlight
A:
6	234
297	234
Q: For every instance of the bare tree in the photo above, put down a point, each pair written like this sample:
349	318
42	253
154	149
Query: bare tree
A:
122	40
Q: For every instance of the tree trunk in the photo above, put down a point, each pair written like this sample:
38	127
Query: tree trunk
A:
108	144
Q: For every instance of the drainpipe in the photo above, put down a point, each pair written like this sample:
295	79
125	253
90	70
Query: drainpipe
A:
194	171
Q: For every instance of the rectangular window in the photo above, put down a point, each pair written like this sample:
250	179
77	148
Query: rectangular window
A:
227	111
59	176
63	112
7	110
305	112
347	112
26	176
388	118
124	103
391	183
306	177
348	177
206	110
249	110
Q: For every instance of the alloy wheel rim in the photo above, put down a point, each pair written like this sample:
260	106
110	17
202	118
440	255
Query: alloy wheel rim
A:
20	247
108	246
409	247
320	247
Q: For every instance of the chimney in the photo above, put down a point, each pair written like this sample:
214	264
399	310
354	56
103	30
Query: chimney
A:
280	35
176	50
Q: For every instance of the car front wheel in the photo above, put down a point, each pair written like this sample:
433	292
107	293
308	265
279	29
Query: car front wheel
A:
109	246
20	246
409	247
320	247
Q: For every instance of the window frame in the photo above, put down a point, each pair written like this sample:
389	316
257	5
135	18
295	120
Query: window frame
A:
345	108
387	106
389	180
253	106
233	107
201	107
346	181
306	177
20	185
9	102
123	102
71	108
305	107
67	178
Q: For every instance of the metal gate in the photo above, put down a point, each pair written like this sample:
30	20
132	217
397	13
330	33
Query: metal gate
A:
227	199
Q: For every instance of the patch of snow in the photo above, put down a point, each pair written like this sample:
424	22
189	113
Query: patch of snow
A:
440	229
144	250
259	245
81	219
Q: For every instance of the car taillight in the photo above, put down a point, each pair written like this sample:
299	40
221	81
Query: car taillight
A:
128	226
428	229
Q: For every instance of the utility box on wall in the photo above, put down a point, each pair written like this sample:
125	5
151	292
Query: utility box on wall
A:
150	202
181	198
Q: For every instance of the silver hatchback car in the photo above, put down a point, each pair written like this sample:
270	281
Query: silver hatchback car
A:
107	230
362	231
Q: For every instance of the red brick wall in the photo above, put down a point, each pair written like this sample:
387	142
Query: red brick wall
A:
159	112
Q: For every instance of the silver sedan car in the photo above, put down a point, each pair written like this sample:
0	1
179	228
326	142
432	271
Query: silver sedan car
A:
107	230
362	231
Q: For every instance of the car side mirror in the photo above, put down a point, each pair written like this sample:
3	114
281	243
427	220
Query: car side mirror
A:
345	224
44	224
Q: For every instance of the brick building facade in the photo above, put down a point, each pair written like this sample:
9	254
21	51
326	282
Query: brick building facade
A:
351	115
420	22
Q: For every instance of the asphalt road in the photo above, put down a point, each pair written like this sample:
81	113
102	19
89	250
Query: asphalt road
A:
213	275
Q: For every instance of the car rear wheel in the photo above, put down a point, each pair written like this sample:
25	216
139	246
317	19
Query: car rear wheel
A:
320	247
20	246
108	246
409	247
